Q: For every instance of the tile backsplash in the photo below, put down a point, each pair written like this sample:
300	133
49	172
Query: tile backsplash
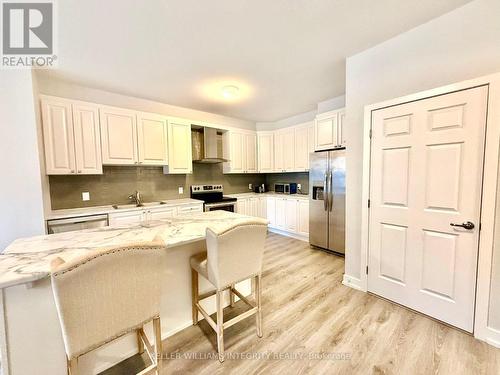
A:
117	183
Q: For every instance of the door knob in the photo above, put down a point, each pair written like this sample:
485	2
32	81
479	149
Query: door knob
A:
466	225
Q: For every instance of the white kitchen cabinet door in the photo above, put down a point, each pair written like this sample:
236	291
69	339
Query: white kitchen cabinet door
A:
289	150
152	138
189	209
251	153
118	136
310	140
87	138
303	217
340	131
58	136
301	148
278	152
242	206
326	131
271	210
280	213
126	218
291	215
263	207
266	152
237	153
180	158
161	213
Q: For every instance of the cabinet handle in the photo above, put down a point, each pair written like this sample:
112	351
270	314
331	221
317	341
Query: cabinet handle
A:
72	171
79	171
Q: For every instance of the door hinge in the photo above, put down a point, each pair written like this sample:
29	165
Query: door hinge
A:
370	134
367	270
369	203
480	227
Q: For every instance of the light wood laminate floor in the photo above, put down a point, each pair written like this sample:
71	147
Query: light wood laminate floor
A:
307	310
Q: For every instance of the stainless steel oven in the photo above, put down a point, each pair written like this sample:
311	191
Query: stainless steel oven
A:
226	206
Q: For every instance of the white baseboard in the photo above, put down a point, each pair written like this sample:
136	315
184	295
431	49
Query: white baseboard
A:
289	234
352	282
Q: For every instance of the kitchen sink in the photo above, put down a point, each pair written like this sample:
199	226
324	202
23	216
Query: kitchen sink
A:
127	206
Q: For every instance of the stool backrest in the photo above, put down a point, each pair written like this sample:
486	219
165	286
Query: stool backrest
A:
235	253
106	294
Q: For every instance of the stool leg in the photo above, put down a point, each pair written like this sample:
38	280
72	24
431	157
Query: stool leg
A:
194	295
231	296
140	343
158	345
220	325
258	295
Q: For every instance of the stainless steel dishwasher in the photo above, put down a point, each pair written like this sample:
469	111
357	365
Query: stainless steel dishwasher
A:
71	224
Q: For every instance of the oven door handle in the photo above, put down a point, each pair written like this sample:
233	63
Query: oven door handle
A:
212	205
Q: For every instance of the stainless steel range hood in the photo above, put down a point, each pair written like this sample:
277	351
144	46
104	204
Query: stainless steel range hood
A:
207	145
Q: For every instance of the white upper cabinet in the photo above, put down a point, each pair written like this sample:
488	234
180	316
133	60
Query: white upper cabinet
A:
265	152
302	147
240	148
289	149
58	136
328	130
118	136
279	165
341	125
180	157
251	152
152	137
87	138
71	137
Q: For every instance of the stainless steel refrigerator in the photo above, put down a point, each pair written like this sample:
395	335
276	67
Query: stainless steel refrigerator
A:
327	200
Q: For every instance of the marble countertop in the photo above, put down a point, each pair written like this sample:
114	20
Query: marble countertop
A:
270	194
102	210
28	259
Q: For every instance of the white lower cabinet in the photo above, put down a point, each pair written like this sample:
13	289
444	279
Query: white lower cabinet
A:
291	215
303	217
125	218
280	213
189	209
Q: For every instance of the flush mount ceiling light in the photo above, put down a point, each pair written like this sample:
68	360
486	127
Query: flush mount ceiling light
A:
230	91
227	90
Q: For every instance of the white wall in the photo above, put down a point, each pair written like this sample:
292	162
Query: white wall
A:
21	214
324	106
459	45
50	86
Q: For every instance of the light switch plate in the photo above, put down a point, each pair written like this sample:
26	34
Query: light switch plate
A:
181	190
249	186
85	196
299	186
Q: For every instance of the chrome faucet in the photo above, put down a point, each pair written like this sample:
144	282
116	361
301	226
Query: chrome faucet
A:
136	198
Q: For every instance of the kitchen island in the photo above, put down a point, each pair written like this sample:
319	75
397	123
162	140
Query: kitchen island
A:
30	335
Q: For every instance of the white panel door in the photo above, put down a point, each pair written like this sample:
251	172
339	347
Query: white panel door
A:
118	136
242	206
426	174
301	148
289	150
271	210
326	132
291	215
280	213
237	152
303	216
180	157
251	153
266	152
152	138
278	152
87	138
58	136
340	129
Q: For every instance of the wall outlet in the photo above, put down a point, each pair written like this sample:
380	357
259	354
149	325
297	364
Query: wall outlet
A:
85	196
250	187
299	186
181	190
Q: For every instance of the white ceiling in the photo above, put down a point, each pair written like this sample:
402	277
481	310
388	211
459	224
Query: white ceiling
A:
291	54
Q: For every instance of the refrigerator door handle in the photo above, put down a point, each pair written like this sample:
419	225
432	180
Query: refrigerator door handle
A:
325	192
330	192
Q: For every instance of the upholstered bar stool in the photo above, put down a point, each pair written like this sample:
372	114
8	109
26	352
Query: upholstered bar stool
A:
233	255
107	294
